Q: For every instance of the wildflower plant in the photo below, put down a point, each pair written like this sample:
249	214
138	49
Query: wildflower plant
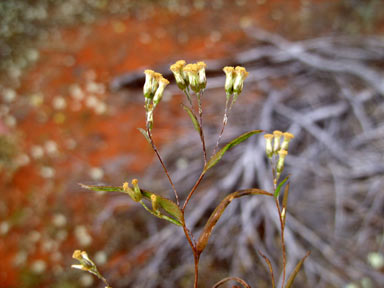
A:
191	80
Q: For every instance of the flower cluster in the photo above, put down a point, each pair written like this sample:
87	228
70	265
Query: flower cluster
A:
190	75
234	80
86	264
134	193
153	91
274	146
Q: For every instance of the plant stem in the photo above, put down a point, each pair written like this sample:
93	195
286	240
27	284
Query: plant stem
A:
193	190
282	226
225	120
163	165
239	280
199	94
196	256
186	92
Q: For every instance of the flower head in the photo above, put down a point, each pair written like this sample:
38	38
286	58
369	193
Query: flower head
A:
229	79
276	143
268	145
241	75
150	83
191	71
160	91
201	74
177	70
287	138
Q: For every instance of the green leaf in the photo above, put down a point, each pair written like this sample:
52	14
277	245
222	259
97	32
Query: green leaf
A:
102	188
216	214
297	269
171	208
195	122
169	219
145	134
277	191
168	205
215	158
285	201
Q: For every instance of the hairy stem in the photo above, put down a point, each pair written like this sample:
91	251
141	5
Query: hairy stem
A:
163	165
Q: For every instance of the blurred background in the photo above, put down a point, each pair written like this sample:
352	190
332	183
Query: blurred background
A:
71	75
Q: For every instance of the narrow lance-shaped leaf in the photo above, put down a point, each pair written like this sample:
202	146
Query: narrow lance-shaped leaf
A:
102	188
269	267
195	122
145	134
277	191
215	158
216	214
285	201
297	269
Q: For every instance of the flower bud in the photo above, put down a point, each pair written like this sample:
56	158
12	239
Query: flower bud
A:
160	91
193	77
241	75
276	142
268	145
85	262
147	89
230	78
155	82
155	204
201	74
130	192
280	162
177	70
287	138
134	193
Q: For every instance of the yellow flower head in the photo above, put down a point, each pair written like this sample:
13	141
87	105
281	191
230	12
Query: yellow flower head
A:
177	70
268	145
77	255
229	79
288	136
241	74
276	142
277	133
